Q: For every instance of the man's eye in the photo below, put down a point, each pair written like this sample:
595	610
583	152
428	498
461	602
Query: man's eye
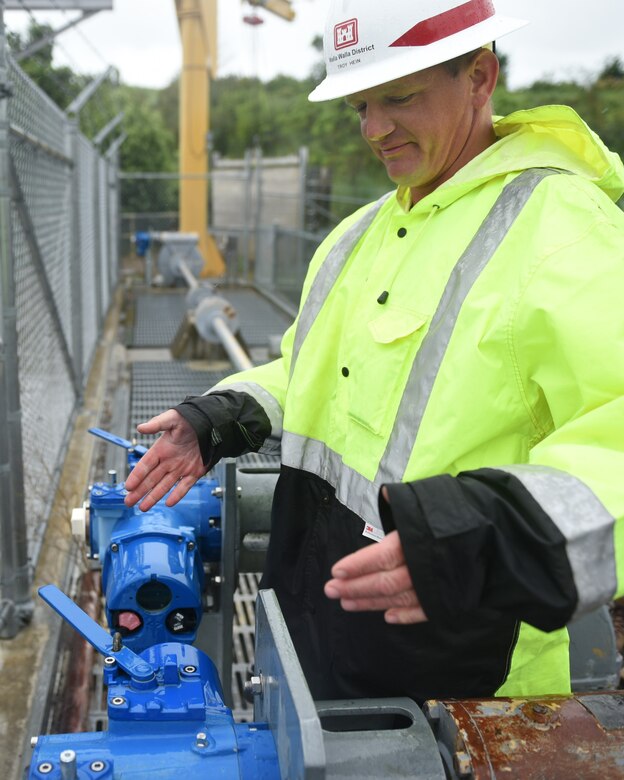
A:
398	100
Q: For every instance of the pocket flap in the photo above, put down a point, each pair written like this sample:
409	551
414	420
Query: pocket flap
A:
395	323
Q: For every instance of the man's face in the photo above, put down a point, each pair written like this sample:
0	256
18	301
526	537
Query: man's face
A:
418	125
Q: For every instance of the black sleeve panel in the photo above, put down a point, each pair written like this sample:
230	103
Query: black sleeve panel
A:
227	424
479	541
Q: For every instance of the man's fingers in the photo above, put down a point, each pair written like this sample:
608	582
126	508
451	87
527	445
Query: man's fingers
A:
407	598
158	491
143	468
162	422
406	616
385	555
381	583
151	479
180	490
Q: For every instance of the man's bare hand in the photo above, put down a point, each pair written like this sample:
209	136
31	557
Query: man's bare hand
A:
377	578
173	459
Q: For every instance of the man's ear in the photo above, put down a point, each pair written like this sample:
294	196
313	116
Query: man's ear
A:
483	73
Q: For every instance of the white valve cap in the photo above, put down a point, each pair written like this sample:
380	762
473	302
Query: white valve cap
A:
79	523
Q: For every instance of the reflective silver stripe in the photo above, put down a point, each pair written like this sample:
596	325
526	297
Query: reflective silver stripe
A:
586	526
328	273
352	489
269	403
431	353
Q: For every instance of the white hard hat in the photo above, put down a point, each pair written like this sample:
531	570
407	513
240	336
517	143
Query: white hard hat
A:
370	42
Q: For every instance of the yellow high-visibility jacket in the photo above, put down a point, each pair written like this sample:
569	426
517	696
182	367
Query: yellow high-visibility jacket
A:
469	353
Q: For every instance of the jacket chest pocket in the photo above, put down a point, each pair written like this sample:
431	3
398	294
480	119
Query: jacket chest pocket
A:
380	366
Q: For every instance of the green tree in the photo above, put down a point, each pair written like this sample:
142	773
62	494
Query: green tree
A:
61	84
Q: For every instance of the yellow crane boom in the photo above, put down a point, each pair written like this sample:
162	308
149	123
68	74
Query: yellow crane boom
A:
198	33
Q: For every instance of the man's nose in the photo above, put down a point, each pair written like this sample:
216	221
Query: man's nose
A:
377	123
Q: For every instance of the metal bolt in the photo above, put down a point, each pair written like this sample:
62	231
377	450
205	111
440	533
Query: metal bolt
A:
109	660
190	669
112	476
217	579
97	766
540	709
117	701
462	763
217	492
33	742
190	545
44	768
212	522
68	765
201	739
116	642
253	687
114	547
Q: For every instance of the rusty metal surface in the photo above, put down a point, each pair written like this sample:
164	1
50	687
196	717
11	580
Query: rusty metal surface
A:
72	714
533	739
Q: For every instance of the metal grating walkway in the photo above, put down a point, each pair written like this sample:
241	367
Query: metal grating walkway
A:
259	319
158	316
157	386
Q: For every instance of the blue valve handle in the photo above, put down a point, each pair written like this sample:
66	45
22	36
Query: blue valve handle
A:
138	669
112	439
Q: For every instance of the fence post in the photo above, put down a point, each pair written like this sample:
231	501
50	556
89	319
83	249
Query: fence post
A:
16	606
97	248
259	204
75	259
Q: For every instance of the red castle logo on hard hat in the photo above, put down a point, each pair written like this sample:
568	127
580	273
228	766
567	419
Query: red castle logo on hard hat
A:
346	34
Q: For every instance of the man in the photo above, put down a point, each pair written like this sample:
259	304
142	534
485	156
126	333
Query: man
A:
454	379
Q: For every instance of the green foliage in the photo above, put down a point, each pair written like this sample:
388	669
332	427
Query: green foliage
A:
277	117
613	69
62	85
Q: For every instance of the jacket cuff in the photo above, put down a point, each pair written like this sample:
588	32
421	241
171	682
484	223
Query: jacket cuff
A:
480	542
226	424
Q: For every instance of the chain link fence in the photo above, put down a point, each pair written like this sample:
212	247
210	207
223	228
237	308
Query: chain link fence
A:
58	268
268	216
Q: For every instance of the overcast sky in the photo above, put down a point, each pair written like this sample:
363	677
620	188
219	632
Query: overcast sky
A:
140	37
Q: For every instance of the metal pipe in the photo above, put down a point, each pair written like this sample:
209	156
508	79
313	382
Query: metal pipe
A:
186	272
108	128
51	36
75	259
78	103
235	352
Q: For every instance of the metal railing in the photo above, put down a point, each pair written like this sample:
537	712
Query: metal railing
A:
268	215
58	268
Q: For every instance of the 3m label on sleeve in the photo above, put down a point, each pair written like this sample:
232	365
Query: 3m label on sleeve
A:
371	532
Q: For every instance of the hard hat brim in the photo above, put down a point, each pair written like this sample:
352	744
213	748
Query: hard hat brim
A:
412	59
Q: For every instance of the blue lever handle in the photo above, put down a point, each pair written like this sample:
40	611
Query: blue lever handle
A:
112	439
138	669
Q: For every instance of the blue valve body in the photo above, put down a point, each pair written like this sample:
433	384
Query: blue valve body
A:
152	562
179	728
142	241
